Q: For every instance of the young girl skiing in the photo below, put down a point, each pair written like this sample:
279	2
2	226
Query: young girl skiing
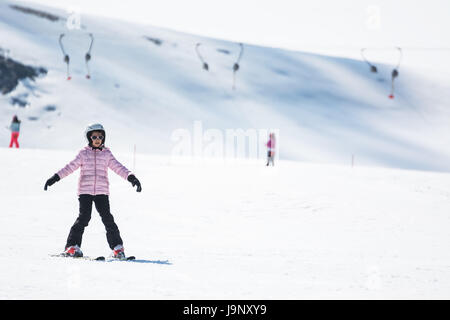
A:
15	130
94	161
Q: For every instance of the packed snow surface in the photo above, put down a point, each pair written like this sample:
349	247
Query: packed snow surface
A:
208	229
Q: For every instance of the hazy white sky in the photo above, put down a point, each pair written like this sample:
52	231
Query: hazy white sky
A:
339	27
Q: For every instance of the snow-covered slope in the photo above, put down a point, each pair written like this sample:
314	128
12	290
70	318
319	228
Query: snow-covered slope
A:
326	109
294	231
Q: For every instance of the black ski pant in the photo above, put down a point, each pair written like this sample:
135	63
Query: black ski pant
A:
101	202
270	156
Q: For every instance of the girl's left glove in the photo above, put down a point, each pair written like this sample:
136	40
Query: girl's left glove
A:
134	182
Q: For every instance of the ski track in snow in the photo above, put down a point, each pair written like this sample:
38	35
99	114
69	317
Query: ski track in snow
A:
240	230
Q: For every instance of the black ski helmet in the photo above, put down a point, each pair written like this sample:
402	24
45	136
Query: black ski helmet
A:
94	127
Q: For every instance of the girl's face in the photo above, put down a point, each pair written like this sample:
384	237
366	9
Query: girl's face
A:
97	142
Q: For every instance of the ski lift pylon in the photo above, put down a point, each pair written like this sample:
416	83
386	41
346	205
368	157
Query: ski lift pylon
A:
87	57
236	65
394	73
66	56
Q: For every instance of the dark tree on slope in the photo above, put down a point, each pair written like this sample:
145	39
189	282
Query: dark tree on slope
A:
11	72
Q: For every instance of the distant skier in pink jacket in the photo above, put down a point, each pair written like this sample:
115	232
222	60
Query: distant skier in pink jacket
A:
271	149
93	187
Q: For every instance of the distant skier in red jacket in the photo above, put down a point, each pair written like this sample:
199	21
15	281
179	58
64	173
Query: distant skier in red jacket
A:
15	129
271	149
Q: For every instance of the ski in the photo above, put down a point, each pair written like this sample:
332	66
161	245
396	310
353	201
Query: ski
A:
62	255
130	258
99	258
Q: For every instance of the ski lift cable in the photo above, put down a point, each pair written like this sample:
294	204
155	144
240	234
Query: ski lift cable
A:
205	65
370	64
236	65
240	53
400	57
92	42
66	56
372	67
61	44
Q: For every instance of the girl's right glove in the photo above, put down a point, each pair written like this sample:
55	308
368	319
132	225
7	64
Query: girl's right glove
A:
134	182
51	181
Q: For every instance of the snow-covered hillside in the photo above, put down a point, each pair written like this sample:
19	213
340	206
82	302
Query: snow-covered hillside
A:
208	230
326	109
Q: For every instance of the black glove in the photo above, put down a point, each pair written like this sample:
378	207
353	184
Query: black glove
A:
52	180
135	182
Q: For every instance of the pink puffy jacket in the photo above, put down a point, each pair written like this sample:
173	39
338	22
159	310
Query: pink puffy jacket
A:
94	165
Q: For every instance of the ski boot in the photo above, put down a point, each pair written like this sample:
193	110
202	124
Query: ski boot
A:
73	251
118	252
